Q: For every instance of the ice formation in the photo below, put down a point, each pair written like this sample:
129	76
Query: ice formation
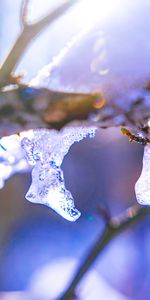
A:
12	158
43	150
142	187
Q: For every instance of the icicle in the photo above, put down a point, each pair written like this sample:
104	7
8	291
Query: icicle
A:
45	152
142	187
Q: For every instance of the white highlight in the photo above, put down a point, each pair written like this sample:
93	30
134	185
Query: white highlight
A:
142	187
91	11
48	283
12	158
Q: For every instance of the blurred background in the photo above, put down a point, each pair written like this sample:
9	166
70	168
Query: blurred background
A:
39	251
99	171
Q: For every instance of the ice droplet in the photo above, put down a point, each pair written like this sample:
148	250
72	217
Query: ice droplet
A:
45	152
142	187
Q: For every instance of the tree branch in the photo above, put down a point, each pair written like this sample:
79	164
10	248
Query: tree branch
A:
24	10
28	33
115	227
26	107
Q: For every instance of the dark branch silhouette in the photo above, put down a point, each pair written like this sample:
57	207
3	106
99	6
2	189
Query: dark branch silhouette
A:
115	226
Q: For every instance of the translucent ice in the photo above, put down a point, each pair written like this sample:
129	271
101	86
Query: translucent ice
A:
12	158
45	151
142	187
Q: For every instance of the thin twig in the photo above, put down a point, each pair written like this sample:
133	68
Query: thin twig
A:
28	33
116	226
24	10
104	213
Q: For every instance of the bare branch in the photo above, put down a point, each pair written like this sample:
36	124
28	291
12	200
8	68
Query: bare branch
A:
26	36
24	10
104	213
25	108
116	226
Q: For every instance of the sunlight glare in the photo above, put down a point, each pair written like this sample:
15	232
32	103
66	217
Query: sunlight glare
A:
89	12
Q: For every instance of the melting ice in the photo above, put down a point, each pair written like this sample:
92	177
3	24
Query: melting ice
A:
43	150
142	187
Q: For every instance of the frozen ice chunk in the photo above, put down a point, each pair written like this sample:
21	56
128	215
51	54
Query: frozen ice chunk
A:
142	187
12	159
45	151
48	188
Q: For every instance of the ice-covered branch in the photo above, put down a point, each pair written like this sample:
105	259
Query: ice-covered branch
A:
114	227
25	108
80	67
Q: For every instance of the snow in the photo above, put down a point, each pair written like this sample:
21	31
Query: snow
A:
111	55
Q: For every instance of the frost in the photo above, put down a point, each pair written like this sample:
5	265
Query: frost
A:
43	150
142	187
50	74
